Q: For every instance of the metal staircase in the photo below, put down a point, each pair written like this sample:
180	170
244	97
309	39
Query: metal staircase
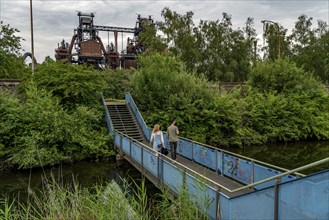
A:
124	121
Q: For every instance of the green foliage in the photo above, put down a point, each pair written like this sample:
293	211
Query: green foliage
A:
9	42
309	47
107	201
161	82
212	49
12	67
286	104
72	84
280	103
118	82
285	77
164	90
11	64
39	132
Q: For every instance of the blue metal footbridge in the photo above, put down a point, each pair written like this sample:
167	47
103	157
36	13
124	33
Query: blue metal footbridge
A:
229	185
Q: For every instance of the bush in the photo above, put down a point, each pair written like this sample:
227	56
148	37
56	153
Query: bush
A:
72	84
38	131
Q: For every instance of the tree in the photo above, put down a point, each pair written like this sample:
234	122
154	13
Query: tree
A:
36	131
286	103
179	34
11	64
72	84
9	42
310	47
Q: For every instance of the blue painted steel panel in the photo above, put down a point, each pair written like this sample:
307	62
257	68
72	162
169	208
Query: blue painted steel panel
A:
136	152
219	162
258	205
204	195
262	172
126	145
287	178
172	176
184	148
205	156
237	168
117	140
305	198
225	207
150	161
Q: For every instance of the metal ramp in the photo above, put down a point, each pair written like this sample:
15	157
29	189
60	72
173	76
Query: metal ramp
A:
237	187
124	121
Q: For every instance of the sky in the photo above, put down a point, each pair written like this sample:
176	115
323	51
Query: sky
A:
54	21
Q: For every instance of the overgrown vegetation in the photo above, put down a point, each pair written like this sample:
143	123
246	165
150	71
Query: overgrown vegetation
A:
281	102
55	114
107	201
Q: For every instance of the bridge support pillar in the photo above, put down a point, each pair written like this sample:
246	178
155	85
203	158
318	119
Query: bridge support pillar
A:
120	160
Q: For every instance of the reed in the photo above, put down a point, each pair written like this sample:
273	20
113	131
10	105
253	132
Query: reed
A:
57	201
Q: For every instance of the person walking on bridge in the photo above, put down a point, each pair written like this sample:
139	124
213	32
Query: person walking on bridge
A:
173	133
157	138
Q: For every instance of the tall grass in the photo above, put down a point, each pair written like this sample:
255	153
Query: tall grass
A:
108	201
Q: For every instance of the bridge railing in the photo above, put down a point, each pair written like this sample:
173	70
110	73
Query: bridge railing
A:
107	116
303	198
147	131
243	169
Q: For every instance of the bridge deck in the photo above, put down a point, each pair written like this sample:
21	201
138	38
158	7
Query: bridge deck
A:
212	175
198	168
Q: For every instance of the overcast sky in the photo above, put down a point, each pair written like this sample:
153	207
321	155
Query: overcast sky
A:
56	20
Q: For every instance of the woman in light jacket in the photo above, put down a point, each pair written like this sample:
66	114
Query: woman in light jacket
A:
157	138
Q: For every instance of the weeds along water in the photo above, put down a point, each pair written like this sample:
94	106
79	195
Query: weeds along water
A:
63	194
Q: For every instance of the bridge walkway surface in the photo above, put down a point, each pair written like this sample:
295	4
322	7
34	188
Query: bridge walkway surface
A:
125	121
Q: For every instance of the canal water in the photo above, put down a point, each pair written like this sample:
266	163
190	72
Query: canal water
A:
289	156
15	184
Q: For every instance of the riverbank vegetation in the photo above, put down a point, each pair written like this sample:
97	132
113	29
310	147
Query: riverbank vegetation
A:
107	201
280	102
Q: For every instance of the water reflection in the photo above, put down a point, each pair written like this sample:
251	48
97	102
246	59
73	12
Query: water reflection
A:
289	156
15	183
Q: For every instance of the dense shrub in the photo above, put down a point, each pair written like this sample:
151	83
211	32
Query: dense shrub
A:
281	102
37	131
118	82
286	103
72	84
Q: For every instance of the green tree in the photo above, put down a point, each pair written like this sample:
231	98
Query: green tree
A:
286	103
72	84
11	64
277	43
36	131
179	34
9	42
310	47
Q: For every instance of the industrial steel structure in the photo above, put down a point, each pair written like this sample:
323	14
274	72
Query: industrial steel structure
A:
90	48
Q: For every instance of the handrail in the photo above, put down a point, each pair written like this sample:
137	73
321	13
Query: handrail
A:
219	149
132	100
310	165
223	187
110	126
175	162
141	117
219	185
240	156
